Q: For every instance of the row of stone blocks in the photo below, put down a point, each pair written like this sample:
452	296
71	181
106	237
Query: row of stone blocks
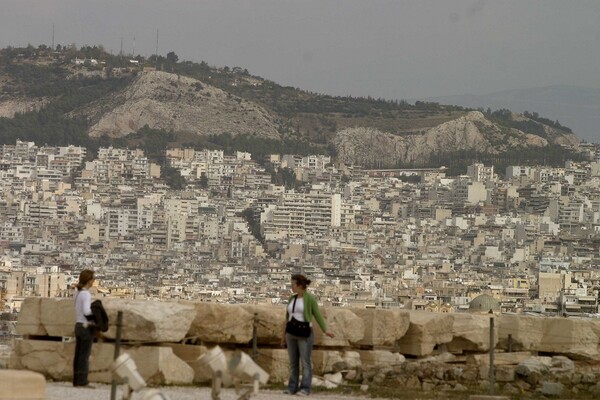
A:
153	333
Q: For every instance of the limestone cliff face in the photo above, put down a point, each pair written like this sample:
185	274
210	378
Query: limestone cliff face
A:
472	132
176	103
10	107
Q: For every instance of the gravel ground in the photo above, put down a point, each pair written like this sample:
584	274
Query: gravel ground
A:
65	391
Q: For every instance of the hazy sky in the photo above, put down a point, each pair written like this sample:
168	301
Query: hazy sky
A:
383	48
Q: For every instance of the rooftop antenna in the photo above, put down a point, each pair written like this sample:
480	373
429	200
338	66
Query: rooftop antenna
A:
156	52
52	36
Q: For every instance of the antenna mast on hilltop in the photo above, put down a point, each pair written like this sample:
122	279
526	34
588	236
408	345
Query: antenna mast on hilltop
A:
133	54
156	52
52	37
121	51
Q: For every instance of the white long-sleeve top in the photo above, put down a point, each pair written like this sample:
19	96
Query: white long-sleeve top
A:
298	313
83	305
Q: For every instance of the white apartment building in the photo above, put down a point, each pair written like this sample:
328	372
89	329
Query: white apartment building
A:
480	173
299	214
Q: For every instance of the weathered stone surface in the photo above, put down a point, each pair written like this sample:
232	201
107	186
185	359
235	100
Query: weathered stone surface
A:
503	373
57	315
574	337
326	361
382	327
22	385
157	365
271	322
499	358
351	359
471	332
276	363
537	365
190	354
29	322
346	326
221	323
50	358
553	389
425	331
375	359
149	321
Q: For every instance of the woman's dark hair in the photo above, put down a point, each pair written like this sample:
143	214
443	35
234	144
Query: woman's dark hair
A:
301	280
84	277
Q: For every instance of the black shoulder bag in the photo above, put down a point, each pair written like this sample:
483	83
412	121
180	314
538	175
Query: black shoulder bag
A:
297	328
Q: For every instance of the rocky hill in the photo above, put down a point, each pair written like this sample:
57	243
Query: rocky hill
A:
45	97
472	132
176	103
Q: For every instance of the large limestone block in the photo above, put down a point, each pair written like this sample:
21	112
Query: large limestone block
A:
382	327
191	355
426	330
58	316
22	385
149	321
160	366
576	338
271	322
221	323
157	365
29	322
377	359
471	332
347	327
51	358
326	361
276	363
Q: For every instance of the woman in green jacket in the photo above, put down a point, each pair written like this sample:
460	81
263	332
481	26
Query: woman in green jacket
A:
303	307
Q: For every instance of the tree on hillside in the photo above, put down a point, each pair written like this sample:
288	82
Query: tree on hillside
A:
172	57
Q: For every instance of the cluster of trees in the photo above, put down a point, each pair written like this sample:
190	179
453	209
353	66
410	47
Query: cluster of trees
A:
458	161
534	124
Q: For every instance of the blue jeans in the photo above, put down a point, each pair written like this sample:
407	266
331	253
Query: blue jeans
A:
84	337
300	348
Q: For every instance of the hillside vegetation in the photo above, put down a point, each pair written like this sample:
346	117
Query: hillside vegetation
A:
48	97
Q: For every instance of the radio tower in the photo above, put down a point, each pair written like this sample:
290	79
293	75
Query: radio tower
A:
156	52
133	46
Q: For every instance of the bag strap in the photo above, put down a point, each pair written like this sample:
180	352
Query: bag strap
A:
294	305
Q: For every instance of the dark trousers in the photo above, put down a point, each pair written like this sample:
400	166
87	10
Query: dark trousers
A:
84	337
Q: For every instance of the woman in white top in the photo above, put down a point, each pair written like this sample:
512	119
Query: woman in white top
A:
84	329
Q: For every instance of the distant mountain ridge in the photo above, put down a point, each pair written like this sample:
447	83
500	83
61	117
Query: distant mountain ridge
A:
573	106
48	98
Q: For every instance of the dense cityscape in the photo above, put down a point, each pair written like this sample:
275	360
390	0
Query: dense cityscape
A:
233	233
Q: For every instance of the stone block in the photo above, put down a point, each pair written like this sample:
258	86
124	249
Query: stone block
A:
471	332
382	327
326	361
426	330
221	323
29	322
157	365
271	322
377	359
149	321
276	363
576	338
22	385
347	327
57	315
